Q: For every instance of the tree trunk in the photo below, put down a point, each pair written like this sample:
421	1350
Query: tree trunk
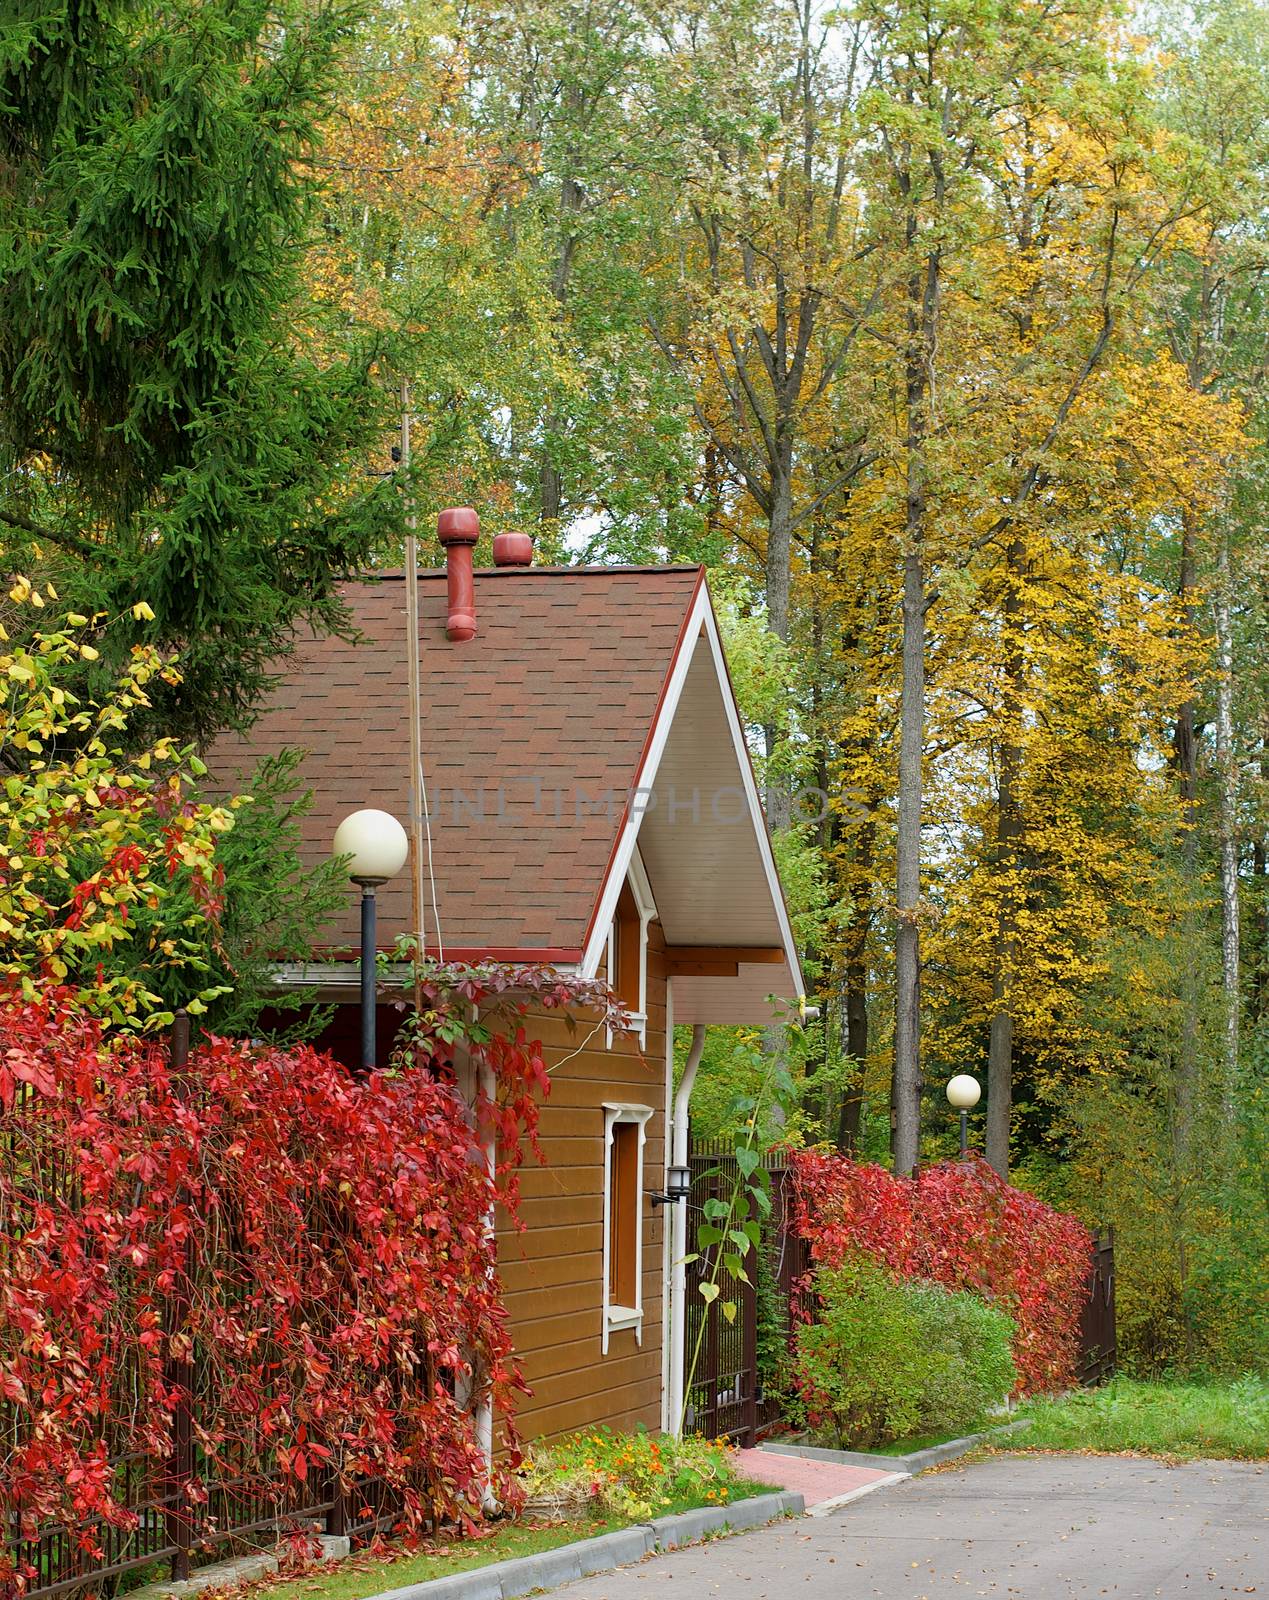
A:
1260	885
1260	904
572	198
1008	839
907	1031
921	318
1185	759
1227	762
999	1077
779	548
856	1008
1184	748
550	486
855	980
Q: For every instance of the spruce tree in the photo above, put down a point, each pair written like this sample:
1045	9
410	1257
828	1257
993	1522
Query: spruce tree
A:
177	424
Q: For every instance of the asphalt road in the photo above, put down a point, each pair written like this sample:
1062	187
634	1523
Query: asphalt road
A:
1034	1527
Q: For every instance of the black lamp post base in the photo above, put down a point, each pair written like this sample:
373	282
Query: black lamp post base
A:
368	976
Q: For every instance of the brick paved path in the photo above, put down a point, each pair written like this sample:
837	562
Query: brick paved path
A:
818	1481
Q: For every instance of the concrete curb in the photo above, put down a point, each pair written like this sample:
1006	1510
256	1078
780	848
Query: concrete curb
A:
668	1533
503	1579
918	1461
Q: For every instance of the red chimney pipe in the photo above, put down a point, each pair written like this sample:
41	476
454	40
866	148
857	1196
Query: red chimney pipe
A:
458	529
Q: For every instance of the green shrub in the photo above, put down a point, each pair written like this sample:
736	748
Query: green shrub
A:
890	1358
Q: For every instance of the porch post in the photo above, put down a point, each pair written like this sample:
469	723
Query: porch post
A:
678	1247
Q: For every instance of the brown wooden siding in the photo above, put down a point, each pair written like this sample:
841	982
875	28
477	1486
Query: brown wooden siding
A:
552	1271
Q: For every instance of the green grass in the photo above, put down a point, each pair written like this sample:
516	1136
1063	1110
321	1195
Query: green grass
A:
1176	1421
350	1580
368	1575
908	1446
927	1441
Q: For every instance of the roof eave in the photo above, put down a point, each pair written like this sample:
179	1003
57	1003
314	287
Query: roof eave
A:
700	620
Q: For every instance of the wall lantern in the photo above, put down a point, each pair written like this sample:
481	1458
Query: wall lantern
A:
678	1185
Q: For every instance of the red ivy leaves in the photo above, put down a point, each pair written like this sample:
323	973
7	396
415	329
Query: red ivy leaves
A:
959	1224
325	1238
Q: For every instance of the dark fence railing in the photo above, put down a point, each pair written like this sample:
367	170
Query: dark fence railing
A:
1097	1323
242	1497
721	1358
727	1398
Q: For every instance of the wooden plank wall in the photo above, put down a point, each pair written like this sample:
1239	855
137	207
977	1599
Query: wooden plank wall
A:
552	1271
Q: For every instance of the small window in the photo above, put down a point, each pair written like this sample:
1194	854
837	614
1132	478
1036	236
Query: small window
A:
623	1214
627	952
623	1218
628	946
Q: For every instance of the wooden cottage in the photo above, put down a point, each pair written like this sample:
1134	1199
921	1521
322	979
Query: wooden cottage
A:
591	805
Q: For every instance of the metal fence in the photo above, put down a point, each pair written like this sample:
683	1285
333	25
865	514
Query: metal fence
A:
726	1395
242	1497
1097	1322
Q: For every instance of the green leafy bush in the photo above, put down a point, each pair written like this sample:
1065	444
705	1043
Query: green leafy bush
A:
627	1476
890	1358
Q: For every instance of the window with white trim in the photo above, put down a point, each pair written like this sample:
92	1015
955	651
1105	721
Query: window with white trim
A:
625	1132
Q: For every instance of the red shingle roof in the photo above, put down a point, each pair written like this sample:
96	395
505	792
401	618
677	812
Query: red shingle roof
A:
539	723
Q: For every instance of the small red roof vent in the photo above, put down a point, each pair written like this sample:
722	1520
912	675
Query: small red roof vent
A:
513	550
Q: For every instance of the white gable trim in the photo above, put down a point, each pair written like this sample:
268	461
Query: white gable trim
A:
645	777
700	619
641	887
755	804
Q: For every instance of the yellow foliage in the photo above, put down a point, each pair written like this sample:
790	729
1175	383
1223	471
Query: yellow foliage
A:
99	851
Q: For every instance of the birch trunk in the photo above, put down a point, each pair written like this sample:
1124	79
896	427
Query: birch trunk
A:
1227	762
1185	756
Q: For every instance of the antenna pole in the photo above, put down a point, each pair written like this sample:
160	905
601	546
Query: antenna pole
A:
415	698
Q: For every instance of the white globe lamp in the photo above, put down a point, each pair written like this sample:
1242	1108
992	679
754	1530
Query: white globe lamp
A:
374	842
963	1093
376	846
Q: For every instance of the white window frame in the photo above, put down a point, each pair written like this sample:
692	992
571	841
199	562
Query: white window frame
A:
645	905
617	1317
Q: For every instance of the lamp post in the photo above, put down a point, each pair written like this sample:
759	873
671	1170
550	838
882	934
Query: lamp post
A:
376	846
962	1094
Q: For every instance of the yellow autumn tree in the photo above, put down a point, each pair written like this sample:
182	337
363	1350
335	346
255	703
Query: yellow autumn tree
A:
1057	432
